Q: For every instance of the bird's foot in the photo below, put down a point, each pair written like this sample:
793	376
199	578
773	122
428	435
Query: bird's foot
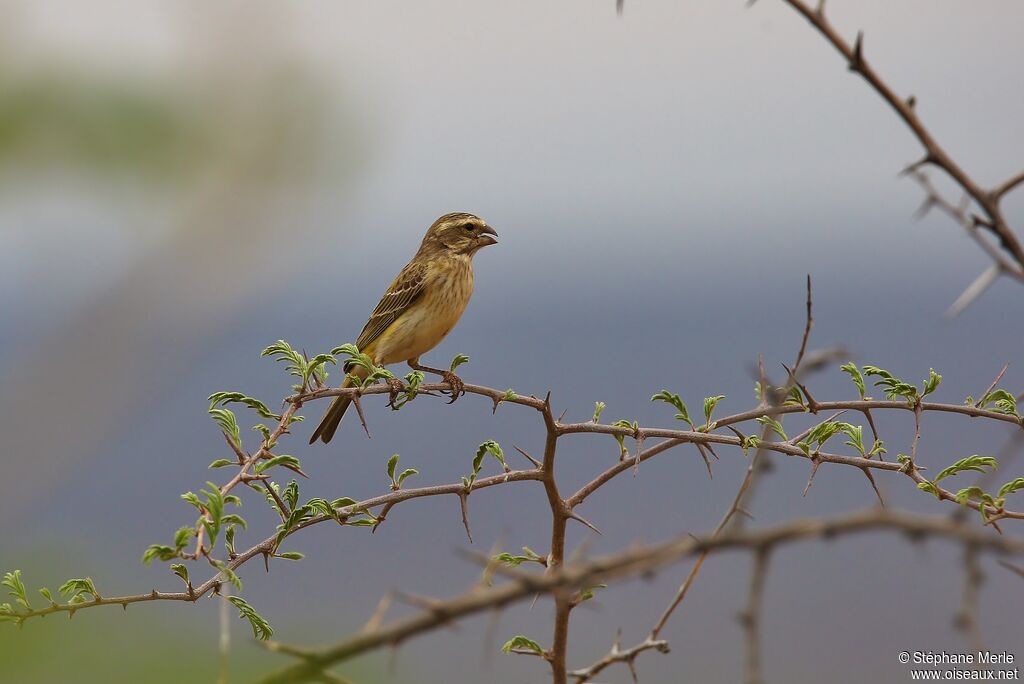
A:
397	387
458	388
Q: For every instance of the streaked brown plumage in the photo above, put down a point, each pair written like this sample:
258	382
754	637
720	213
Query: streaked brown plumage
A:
421	306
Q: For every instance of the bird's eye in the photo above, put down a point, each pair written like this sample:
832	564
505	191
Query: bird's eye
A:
469	226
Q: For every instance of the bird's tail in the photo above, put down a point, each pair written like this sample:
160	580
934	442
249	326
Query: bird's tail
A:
332	418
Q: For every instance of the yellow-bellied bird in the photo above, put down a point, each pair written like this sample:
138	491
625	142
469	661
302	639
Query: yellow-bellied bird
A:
421	306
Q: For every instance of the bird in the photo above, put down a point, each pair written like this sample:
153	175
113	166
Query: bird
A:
420	307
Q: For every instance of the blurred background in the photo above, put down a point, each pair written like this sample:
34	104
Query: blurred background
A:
182	183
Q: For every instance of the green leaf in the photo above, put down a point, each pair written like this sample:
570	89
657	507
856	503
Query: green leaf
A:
392	464
291	555
75	588
793	397
357	359
45	593
587	593
709	406
974	492
1011	487
295	364
674	400
856	435
317	368
229	574
192	499
523	643
12	580
214	506
599	407
932	383
774	425
221	398
408	472
229	540
855	375
1001	402
621	439
261	629
164	553
750	441
265	433
291	494
530	556
182	572
283	460
974	463
221	463
930	487
458	361
894	387
228	424
823	432
234	519
182	537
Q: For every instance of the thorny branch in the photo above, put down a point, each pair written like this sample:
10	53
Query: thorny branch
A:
567	581
1007	253
634	562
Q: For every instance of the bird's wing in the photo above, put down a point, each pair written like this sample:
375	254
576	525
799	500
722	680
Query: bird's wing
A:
402	294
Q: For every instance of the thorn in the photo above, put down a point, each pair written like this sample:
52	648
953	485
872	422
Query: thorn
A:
821	8
632	670
1011	567
814	470
465	514
874	431
991	387
707	461
915	167
744	512
295	469
562	415
639	449
359	410
871	479
378	615
974	290
528	457
383	514
266	561
578	518
857	59
911	102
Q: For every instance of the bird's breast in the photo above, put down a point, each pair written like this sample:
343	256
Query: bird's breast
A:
448	288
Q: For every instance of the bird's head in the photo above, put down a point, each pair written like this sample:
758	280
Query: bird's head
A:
459	233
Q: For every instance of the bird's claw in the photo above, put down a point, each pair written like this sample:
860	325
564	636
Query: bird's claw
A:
458	388
397	387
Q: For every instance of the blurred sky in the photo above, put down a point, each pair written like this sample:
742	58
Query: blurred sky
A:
194	182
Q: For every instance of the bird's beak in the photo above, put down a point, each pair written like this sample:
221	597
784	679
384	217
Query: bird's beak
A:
488	236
